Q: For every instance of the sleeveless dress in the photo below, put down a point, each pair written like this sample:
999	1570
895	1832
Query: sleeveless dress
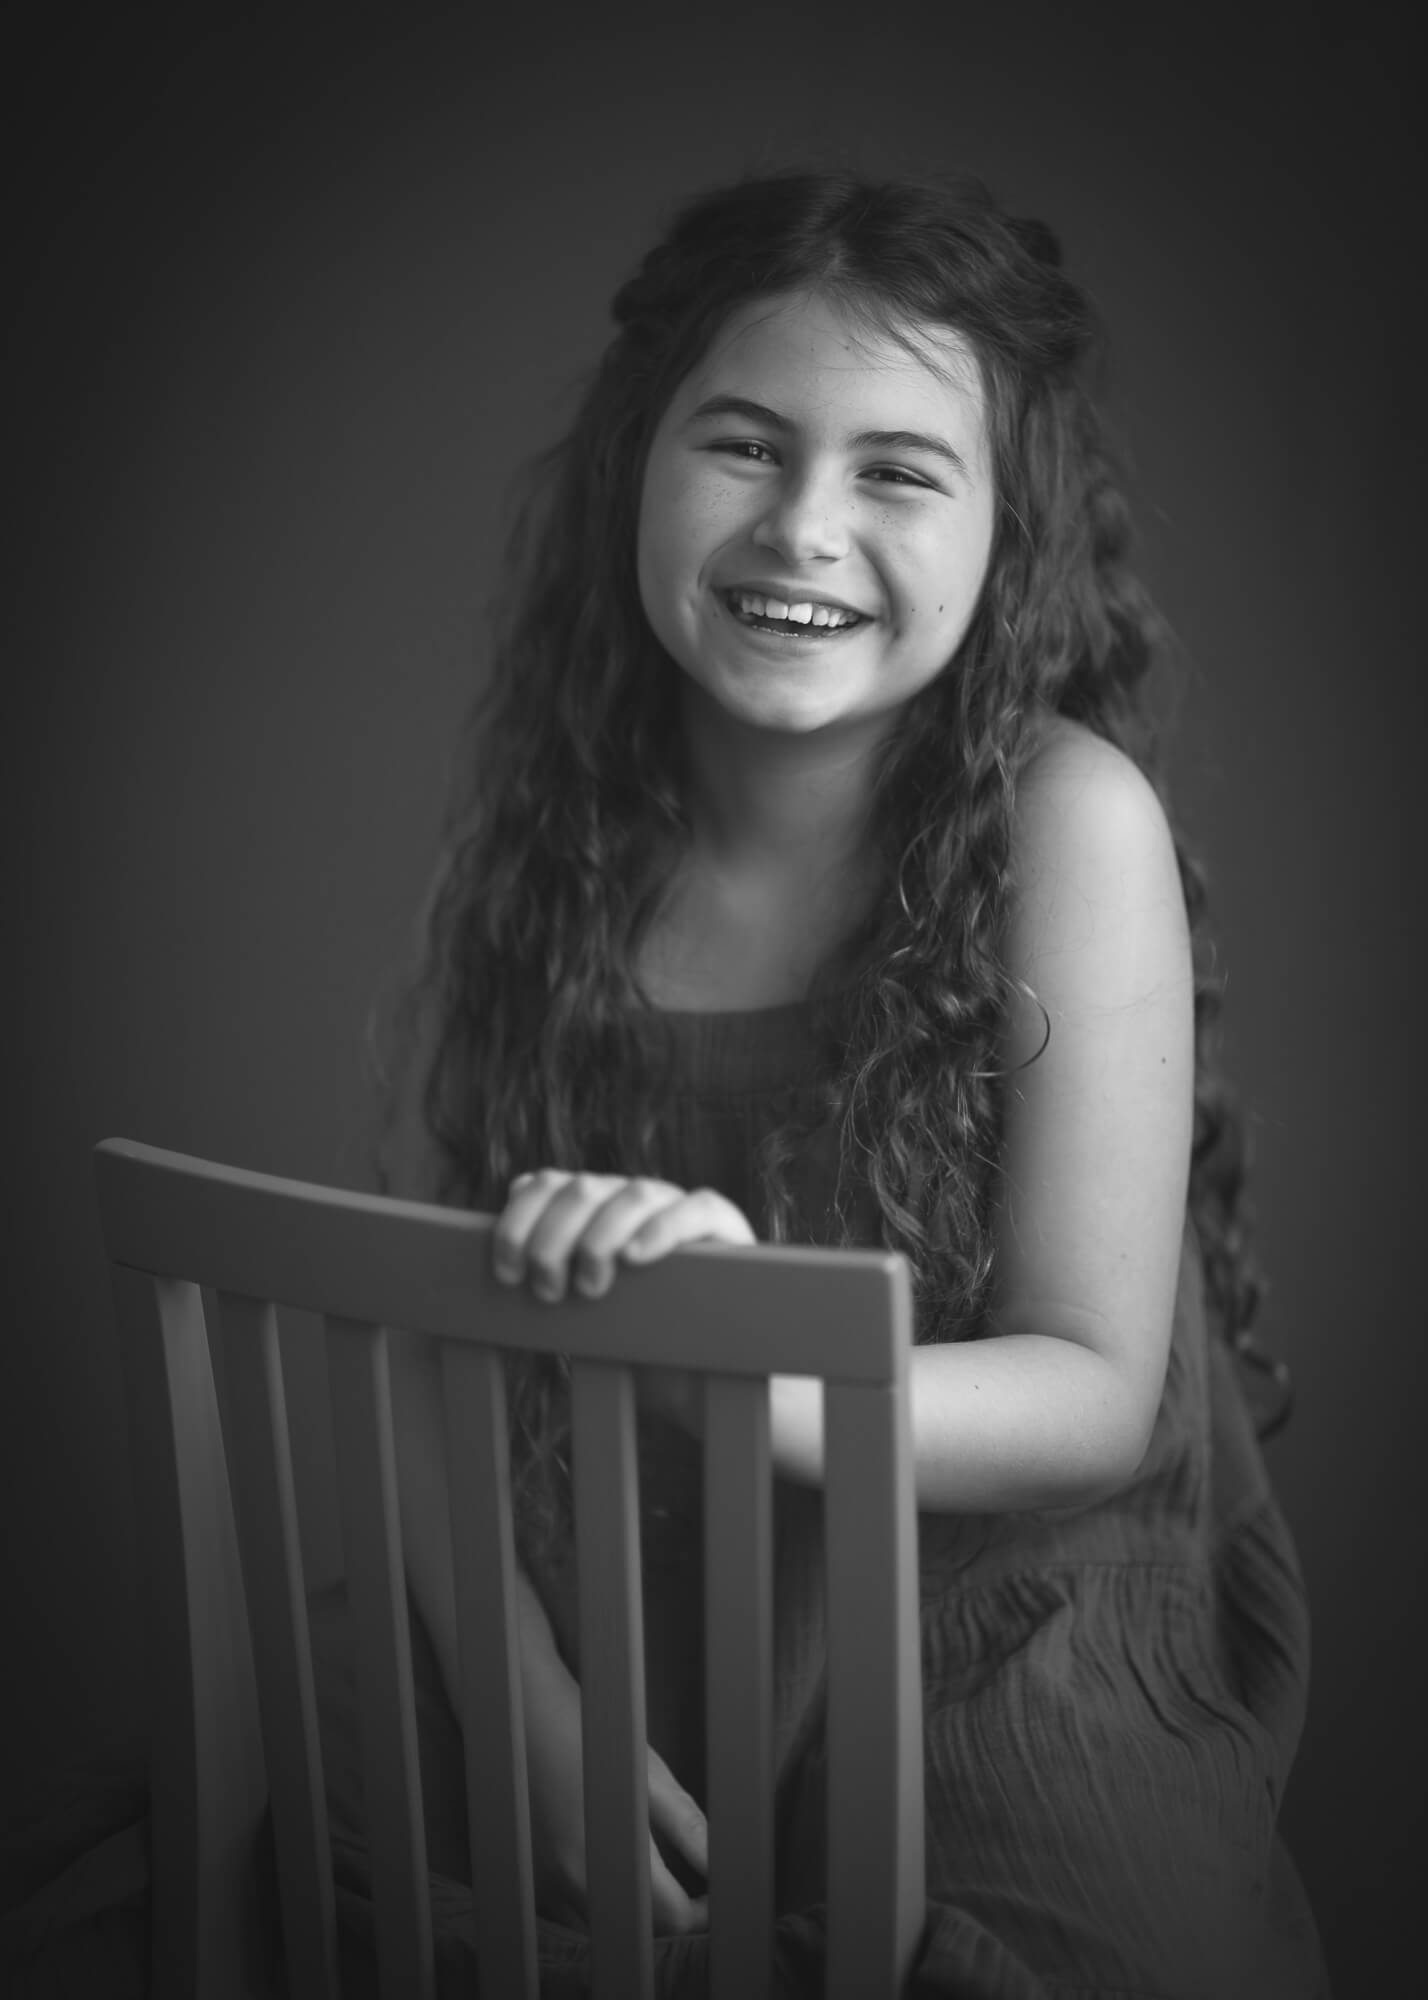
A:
1112	1696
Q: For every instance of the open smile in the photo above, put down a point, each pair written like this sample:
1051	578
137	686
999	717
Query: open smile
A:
800	621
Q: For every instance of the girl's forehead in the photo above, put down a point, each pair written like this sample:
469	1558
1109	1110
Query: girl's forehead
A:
810	345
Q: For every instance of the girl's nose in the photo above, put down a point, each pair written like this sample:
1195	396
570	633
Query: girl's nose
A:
804	523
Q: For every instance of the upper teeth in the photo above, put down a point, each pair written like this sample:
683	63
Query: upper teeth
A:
796	614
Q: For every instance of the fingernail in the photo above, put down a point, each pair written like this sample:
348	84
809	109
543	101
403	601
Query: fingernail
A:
546	1288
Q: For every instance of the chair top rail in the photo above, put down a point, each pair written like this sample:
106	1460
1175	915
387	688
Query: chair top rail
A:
789	1309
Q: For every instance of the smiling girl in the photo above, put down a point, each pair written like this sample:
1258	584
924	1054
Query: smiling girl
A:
813	881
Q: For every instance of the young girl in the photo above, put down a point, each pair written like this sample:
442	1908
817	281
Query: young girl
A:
813	883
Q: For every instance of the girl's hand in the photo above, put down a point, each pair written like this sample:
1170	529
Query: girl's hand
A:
557	1793
565	1229
562	1228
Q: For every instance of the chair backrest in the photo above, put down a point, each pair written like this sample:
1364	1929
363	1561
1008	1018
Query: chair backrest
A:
231	1666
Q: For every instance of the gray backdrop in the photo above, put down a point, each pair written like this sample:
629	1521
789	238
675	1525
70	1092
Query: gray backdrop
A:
294	302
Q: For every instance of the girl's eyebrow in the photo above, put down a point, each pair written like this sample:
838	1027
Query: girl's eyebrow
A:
760	413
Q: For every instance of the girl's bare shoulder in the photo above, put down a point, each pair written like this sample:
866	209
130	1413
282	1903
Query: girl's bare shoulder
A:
1083	803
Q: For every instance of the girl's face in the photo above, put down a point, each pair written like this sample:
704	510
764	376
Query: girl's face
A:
816	517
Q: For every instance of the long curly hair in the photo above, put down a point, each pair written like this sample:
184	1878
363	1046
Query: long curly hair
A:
568	822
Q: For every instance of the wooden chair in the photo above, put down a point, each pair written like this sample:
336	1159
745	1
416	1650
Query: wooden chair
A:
234	1712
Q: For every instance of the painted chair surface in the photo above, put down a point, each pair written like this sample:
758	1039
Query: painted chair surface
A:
234	1710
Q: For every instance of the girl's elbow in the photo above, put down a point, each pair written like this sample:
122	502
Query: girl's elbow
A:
1113	1440
1120	1451
1097	1476
1099	1463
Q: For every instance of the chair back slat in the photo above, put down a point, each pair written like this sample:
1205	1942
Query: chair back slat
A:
488	1645
612	1681
875	1830
365	1451
738	1625
207	1795
265	1510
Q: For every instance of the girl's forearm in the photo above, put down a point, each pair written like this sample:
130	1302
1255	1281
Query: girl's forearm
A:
1013	1422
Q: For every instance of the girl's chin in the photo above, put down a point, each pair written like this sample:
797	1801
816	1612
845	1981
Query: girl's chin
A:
781	708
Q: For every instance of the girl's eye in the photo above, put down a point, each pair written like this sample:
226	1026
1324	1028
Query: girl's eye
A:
740	446
895	472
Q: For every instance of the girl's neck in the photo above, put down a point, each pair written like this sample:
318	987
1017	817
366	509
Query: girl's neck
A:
774	814
776	876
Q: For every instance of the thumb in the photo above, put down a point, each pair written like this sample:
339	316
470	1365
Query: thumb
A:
677	1816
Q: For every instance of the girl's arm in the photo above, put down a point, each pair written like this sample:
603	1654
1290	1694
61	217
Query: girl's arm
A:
1055	1406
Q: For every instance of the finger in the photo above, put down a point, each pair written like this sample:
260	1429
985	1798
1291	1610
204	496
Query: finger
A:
610	1229
526	1197
701	1216
566	1219
676	1816
532	1199
675	1914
